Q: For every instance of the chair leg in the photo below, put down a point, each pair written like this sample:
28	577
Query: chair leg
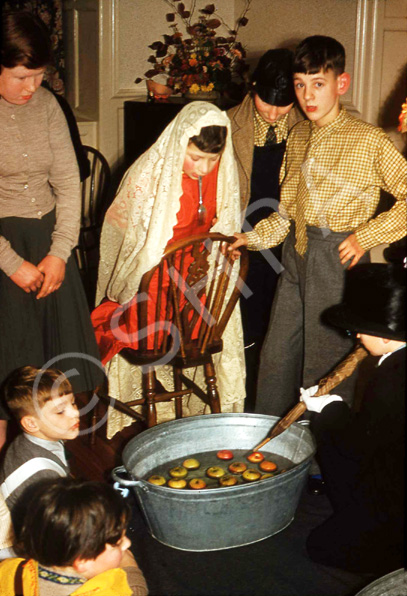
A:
213	395
177	386
149	394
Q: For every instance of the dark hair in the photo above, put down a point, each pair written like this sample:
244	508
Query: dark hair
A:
25	41
273	78
318	53
211	139
67	519
28	384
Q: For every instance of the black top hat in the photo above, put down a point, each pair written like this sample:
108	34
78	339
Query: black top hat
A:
273	78
373	302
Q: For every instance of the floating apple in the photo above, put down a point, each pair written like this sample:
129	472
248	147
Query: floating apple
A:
256	457
215	472
250	475
237	467
191	464
177	483
197	483
268	466
228	480
224	454
158	480
264	476
178	472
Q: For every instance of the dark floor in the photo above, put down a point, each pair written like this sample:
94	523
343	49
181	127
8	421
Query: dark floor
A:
277	566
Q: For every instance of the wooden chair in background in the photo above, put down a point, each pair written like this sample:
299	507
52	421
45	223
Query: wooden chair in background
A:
197	297
94	190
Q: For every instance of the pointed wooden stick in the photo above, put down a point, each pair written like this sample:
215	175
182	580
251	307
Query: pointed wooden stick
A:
339	374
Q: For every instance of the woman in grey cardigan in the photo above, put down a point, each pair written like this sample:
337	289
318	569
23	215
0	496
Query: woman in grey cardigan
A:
45	319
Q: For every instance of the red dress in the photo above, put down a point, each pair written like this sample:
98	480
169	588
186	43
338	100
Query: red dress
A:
123	318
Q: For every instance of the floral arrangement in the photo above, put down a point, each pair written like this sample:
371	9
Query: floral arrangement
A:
403	118
204	61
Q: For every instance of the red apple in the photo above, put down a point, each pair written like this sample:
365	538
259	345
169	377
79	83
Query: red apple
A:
256	457
268	466
224	454
237	467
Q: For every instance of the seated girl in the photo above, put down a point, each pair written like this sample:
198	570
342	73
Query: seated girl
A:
185	184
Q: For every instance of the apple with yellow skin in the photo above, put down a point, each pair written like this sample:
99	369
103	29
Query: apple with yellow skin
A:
178	472
197	483
158	480
250	475
256	457
228	480
215	472
237	467
264	476
177	483
191	464
268	466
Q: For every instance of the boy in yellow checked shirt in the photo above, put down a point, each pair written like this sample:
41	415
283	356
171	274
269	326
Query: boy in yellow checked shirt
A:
335	167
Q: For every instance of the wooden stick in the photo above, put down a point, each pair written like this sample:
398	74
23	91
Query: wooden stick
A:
339	374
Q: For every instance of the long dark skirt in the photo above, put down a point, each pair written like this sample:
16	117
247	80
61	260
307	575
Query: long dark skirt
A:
55	331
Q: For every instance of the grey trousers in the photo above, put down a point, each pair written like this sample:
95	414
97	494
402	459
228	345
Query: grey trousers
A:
299	349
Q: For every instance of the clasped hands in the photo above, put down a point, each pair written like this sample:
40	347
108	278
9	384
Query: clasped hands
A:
46	277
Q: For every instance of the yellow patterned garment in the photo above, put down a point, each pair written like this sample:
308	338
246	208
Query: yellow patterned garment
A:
108	583
261	129
333	179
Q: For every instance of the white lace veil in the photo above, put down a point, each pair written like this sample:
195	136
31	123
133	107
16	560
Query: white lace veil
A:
139	223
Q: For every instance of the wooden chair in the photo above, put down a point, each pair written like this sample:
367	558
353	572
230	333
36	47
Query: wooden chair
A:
94	191
198	299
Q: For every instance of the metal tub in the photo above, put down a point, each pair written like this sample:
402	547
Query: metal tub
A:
204	520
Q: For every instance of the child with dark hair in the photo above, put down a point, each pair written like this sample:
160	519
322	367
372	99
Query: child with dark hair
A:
335	166
260	127
74	541
362	454
185	184
44	406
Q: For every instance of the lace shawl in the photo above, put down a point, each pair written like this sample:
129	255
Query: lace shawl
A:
139	223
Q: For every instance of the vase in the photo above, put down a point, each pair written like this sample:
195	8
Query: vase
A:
211	96
158	90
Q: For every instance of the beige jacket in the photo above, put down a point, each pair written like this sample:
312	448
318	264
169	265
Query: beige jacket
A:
242	121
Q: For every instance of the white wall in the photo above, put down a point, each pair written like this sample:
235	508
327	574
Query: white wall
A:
374	33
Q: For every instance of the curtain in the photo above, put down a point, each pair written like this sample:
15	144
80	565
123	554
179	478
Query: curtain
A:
50	11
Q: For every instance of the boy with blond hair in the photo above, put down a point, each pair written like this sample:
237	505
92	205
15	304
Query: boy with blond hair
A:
43	404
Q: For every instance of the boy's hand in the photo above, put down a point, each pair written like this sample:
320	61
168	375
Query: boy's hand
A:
241	240
53	269
316	404
350	249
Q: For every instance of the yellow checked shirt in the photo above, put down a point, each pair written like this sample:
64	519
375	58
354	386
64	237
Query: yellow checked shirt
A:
332	180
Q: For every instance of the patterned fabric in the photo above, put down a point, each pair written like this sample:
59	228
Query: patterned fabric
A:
262	129
333	179
136	230
58	578
50	11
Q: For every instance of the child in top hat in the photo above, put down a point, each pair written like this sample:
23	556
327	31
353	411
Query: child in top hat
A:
260	127
362	454
335	167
